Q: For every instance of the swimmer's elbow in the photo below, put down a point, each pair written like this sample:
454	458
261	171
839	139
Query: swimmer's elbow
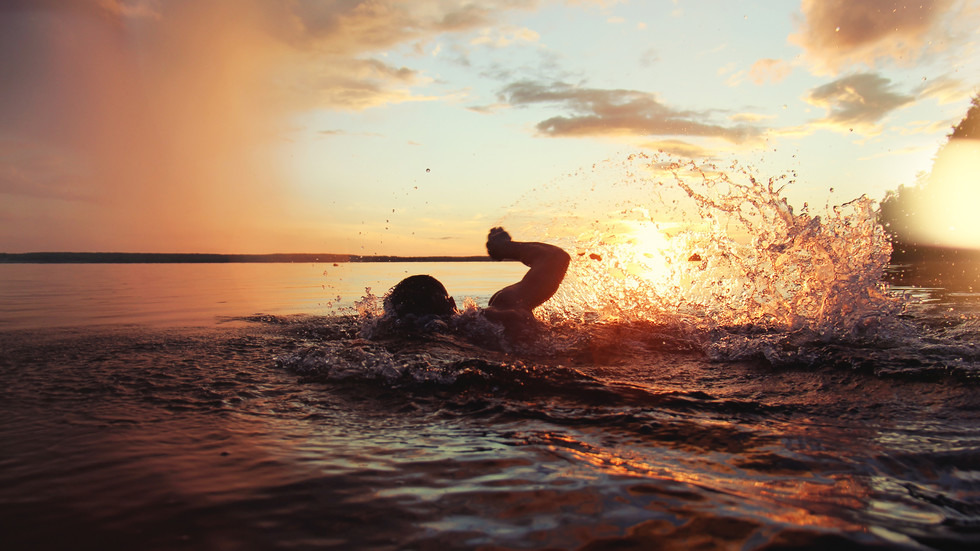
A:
562	258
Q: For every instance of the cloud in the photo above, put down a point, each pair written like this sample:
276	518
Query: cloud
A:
798	131
352	84
680	148
946	90
926	127
837	34
503	37
771	70
750	117
599	112
762	71
487	109
542	65
333	48
857	102
352	28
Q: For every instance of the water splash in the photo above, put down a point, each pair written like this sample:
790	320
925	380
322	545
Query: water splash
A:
655	239
369	306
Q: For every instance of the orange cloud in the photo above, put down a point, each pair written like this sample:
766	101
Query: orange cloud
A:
750	117
772	70
598	112
837	34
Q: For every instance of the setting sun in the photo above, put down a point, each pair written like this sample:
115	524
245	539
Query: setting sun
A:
651	251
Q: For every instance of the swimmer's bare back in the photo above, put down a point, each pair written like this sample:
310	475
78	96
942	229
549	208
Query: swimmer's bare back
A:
548	265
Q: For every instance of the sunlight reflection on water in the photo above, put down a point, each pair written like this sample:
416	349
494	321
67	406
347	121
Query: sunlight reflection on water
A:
55	295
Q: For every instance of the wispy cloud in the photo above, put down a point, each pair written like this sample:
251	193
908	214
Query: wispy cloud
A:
926	127
750	117
762	71
769	70
353	28
679	148
503	37
600	112
945	90
857	102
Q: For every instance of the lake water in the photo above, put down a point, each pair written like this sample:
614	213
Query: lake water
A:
246	406
51	295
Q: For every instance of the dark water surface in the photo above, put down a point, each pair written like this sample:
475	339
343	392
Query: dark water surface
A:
297	432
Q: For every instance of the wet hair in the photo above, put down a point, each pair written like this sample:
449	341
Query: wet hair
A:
419	295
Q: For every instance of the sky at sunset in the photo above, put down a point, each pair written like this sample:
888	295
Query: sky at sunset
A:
387	127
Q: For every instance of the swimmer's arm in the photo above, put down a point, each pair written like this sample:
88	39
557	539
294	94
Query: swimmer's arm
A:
500	246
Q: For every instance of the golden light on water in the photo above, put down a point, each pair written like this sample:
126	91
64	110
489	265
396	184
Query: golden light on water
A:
717	470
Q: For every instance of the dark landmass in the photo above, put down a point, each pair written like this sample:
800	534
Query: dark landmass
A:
913	265
913	252
193	258
907	208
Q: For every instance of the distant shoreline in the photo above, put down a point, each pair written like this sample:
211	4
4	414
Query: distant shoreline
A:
911	252
207	258
901	253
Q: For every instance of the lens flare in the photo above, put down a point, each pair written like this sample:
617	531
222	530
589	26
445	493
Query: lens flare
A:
949	207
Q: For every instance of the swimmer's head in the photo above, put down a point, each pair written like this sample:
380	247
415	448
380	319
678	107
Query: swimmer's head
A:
419	295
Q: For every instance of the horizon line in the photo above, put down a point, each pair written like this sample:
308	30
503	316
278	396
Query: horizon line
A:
212	258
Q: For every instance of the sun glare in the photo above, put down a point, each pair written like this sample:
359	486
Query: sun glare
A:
949	209
650	253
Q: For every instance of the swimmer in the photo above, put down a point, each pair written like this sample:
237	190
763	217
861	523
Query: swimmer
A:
512	306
